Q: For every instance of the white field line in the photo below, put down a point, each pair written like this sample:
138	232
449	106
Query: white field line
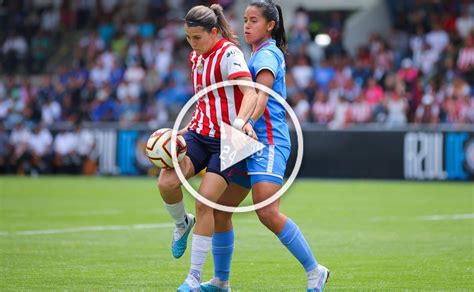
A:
445	217
88	228
167	225
448	217
85	213
72	213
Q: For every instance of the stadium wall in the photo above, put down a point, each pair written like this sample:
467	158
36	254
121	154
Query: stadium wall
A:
413	154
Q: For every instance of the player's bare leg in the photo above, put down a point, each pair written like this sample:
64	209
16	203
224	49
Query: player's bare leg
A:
169	183
170	190
270	215
289	235
212	187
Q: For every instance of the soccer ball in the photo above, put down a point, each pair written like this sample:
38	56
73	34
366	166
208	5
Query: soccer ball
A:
158	148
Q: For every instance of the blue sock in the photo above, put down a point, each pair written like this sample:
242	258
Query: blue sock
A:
222	248
293	239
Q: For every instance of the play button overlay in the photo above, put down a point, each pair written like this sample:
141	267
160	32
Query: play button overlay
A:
236	146
203	199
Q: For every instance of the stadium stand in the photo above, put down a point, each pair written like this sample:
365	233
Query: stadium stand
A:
95	61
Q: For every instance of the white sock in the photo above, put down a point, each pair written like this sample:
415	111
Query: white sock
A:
199	250
312	277
176	211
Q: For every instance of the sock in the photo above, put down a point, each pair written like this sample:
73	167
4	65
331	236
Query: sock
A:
199	250
177	212
313	278
222	249
294	240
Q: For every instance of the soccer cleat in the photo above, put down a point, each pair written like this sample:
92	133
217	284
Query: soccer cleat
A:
180	236
186	288
324	277
211	287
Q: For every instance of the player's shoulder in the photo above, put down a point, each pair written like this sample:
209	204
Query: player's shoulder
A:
270	51
231	50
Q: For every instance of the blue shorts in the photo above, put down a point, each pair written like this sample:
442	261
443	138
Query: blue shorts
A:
268	164
205	151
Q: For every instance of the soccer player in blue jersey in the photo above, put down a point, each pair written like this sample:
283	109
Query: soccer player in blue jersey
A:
264	31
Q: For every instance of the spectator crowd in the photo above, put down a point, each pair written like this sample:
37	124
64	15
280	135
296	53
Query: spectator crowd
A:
422	72
128	69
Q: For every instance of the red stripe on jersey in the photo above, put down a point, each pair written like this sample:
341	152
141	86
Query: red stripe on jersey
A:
211	97
206	121
221	90
201	107
238	96
239	74
269	126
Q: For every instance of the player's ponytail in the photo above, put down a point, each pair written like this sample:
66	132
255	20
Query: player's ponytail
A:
279	33
209	17
223	25
272	12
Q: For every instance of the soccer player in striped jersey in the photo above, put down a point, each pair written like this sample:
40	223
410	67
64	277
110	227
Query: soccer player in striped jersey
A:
213	59
264	31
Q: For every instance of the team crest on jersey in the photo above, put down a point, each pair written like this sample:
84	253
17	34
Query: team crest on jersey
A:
198	88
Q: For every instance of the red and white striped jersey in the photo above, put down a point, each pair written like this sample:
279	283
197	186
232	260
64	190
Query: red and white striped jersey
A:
225	61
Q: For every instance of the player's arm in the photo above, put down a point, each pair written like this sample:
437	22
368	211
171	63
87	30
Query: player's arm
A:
238	70
266	78
249	100
247	107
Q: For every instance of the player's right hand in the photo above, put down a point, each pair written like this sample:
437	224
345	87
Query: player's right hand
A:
249	131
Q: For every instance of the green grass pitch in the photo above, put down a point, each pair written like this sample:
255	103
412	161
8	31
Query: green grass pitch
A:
102	234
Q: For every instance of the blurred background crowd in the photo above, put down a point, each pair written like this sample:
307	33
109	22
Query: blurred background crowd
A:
81	61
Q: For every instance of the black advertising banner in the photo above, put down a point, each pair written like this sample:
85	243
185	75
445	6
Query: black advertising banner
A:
416	155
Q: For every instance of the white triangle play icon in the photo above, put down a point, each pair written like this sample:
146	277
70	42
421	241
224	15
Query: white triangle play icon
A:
236	146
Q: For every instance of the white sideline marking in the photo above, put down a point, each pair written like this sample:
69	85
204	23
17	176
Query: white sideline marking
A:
426	218
73	214
85	213
88	228
448	217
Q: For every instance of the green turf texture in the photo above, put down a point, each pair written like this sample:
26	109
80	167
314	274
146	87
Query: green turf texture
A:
372	235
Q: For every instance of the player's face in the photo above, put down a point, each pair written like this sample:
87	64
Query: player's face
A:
200	39
256	27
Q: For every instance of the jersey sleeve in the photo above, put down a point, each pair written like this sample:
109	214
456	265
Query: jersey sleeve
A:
235	63
265	60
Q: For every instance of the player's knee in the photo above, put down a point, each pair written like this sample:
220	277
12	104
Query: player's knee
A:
267	215
202	209
168	181
221	218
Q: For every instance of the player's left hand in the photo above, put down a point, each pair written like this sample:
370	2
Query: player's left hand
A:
249	131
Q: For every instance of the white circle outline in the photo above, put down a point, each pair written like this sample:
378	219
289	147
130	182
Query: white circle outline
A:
286	185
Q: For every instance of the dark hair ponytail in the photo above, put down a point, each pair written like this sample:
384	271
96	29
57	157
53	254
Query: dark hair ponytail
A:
223	25
272	11
279	32
209	17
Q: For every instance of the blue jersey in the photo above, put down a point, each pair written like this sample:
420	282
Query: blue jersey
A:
271	127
